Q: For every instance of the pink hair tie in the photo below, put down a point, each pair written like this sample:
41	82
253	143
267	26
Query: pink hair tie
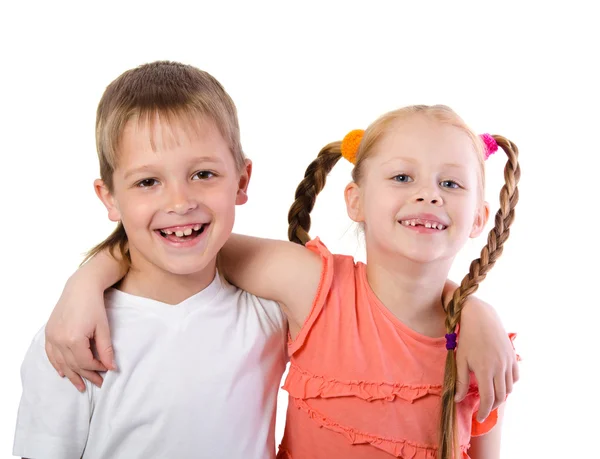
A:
491	146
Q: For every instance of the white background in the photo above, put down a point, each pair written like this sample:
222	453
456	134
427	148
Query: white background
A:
303	74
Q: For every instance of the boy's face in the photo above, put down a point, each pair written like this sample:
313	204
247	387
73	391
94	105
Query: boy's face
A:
175	190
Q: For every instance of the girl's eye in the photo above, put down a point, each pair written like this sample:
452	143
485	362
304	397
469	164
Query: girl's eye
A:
204	175
146	183
402	178
449	184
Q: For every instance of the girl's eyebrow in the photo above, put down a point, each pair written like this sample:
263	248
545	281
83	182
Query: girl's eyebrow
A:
414	161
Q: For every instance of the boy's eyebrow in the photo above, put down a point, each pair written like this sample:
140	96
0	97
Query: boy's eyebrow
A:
196	160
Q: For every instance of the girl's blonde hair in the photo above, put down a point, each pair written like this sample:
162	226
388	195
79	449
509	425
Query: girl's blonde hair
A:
314	181
171	91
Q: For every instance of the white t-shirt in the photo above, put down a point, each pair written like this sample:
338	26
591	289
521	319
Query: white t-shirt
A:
195	380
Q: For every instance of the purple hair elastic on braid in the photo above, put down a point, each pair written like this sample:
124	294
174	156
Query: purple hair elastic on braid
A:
491	146
450	341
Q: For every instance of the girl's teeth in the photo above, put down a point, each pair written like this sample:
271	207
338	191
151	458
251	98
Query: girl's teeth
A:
197	227
168	232
188	231
427	225
179	233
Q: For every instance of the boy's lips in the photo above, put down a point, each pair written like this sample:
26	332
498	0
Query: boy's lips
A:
182	235
175	233
181	230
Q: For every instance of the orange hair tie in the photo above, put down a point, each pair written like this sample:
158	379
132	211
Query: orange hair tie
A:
350	144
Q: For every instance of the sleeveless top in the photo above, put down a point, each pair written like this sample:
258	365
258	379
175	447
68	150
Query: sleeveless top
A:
362	384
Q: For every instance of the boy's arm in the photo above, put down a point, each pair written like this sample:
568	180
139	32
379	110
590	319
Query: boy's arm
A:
487	446
80	316
278	270
485	349
53	419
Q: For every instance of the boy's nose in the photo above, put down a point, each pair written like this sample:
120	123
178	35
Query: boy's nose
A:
181	202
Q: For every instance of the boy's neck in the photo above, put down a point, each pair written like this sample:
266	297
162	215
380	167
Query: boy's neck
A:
411	291
156	284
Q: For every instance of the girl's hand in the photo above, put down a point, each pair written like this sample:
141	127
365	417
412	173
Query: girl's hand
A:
486	350
79	317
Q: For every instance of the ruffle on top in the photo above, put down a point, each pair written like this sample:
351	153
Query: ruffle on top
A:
303	385
400	448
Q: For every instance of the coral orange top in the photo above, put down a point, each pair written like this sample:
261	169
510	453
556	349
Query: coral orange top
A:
361	383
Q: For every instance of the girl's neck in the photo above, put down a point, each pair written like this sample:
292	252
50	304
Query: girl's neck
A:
149	281
412	291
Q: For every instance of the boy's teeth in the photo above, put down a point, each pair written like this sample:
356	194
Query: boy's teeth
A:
188	231
427	225
179	233
167	232
197	227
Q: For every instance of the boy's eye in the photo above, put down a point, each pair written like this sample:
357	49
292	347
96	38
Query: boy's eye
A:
449	184
146	183
402	178
203	175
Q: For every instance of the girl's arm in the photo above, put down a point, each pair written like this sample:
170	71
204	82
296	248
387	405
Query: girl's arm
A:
488	446
278	270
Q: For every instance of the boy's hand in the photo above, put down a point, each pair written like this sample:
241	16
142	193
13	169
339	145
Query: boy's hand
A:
486	350
79	317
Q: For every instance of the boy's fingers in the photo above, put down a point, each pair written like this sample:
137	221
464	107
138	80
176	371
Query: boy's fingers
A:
486	398
509	382
499	391
462	381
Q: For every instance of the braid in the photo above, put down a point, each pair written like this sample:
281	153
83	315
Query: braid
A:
307	191
509	196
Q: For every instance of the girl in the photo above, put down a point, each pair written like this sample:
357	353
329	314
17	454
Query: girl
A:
341	382
367	362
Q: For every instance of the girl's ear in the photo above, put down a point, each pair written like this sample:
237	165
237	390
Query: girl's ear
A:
242	193
353	202
108	200
481	218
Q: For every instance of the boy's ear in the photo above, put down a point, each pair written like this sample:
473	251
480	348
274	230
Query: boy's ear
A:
242	193
108	200
353	202
481	219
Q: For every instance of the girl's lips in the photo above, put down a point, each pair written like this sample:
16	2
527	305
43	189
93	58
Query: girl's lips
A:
423	229
420	222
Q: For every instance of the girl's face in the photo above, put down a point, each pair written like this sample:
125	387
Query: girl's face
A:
420	192
175	190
